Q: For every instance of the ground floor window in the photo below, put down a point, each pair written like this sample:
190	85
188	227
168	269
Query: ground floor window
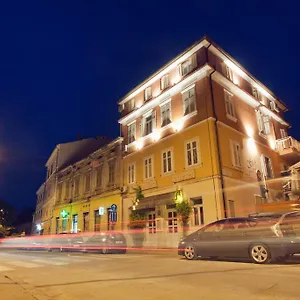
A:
172	221
231	208
86	221
151	222
198	211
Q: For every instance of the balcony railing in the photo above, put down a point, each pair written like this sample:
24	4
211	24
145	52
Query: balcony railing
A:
287	143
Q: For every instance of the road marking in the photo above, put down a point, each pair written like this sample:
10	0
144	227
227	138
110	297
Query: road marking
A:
23	264
4	269
50	262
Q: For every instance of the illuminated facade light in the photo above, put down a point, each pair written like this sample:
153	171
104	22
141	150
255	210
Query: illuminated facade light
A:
272	143
178	125
139	144
38	227
156	135
251	145
249	131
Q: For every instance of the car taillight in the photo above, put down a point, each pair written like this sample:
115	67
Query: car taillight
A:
277	231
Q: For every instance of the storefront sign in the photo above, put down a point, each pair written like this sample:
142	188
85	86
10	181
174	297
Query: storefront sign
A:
101	211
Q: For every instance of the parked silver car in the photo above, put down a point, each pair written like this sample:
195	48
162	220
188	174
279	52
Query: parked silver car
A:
261	237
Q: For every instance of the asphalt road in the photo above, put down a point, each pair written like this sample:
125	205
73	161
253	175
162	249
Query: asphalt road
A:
36	275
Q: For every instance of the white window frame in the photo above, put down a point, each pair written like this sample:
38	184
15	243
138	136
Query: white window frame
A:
164	82
263	123
188	66
283	133
131	135
85	182
131	104
273	106
151	217
162	106
191	141
190	98
166	158
148	93
236	154
228	72
148	171
229	106
264	167
199	208
256	93
131	173
151	114
173	221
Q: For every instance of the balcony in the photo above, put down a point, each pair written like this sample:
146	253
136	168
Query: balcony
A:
289	148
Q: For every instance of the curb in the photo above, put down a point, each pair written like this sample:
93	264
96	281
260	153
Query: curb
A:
145	251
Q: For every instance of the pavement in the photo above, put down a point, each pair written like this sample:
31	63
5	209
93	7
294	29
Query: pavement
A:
38	275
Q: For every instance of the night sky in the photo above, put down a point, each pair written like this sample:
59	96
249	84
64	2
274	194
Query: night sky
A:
65	64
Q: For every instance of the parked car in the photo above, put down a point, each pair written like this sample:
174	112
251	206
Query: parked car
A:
66	242
106	242
261	237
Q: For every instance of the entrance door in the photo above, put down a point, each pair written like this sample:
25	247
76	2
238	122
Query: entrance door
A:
75	224
97	220
86	221
57	225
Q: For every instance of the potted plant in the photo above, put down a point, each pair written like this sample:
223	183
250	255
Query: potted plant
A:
184	210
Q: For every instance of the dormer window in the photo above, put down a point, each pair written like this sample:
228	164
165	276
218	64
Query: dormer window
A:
189	65
148	93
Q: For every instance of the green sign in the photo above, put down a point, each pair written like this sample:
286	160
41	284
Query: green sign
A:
64	213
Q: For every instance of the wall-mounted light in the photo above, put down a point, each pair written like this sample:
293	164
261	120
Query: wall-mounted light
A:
156	135
272	143
139	144
249	131
251	145
178	125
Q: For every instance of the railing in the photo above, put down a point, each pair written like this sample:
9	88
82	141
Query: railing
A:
287	143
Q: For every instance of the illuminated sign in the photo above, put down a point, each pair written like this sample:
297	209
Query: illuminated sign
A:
101	211
64	213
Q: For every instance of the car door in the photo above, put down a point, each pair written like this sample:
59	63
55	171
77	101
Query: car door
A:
208	242
235	238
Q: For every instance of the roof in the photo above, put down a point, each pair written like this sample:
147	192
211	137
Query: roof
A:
207	42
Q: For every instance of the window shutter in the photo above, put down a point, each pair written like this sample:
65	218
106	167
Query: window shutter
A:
263	165
142	127
154	119
259	121
194	61
267	126
180	69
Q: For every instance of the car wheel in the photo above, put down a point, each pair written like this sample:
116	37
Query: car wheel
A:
190	252
260	254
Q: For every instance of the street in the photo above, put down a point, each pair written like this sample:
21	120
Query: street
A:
38	275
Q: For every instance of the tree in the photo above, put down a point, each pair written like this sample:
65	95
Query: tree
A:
7	214
184	210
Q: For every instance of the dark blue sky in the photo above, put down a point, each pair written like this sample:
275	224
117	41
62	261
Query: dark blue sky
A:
64	65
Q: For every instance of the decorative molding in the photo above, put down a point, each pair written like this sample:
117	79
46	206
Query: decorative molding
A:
149	184
190	174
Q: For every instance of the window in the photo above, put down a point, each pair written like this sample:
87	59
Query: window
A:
148	93
273	106
64	225
236	154
151	222
87	186
111	172
164	82
231	208
189	65
167	161
76	183
214	227
267	167
192	153
283	133
131	173
99	177
228	73
198	211
148	168
255	93
165	110
67	192
172	222
75	223
131	105
86	221
131	132
189	103
59	192
149	123
229	106
263	123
